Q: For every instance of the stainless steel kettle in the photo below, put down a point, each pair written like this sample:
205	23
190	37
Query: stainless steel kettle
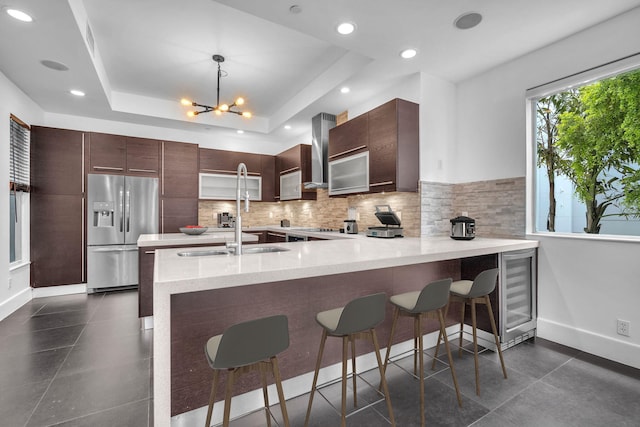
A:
463	228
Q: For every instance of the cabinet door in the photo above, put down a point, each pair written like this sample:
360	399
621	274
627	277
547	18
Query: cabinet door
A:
289	160
177	212
217	186
349	175
146	257
222	161
57	164
349	138
273	237
383	146
143	157
57	240
179	162
291	186
107	153
268	169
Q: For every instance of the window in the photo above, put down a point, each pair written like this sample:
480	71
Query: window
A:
585	131
19	138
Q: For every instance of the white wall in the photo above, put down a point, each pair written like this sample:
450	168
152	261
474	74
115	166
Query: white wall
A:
584	285
14	283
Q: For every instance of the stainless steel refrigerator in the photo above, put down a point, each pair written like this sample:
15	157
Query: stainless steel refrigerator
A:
119	209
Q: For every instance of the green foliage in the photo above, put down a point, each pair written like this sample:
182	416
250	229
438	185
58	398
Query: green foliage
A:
599	140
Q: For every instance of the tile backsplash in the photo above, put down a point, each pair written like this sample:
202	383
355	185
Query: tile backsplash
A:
498	206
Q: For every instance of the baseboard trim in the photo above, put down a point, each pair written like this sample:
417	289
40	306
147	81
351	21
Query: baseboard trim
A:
15	302
54	291
619	350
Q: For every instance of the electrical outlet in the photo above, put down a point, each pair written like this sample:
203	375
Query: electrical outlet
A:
623	327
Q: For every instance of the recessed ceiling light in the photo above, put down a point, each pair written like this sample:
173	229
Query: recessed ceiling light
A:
345	90
408	53
76	92
467	20
346	28
54	65
295	9
19	15
287	127
240	131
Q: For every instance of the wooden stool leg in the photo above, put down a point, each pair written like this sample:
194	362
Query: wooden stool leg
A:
265	395
446	346
283	405
315	376
382	377
212	398
495	334
416	343
420	344
440	334
227	398
345	346
396	314
475	344
353	370
463	303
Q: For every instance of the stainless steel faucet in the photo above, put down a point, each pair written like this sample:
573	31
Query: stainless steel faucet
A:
242	170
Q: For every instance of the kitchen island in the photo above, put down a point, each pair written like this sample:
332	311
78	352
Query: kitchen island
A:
198	297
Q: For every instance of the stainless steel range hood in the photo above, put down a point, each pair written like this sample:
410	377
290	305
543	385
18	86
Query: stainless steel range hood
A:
320	125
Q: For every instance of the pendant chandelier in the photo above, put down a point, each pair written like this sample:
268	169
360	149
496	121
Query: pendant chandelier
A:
218	109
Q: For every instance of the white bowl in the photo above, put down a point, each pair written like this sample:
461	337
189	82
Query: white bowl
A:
193	231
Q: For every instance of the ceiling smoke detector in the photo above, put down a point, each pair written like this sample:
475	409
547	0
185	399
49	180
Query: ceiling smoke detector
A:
467	20
54	65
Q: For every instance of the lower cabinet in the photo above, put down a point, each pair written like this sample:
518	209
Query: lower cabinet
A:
275	237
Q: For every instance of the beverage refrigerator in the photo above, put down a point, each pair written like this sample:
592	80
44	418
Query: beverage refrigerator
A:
119	209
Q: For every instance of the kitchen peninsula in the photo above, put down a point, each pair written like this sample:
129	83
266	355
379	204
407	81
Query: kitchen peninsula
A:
198	297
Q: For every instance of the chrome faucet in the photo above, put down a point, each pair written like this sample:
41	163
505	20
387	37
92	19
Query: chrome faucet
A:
242	171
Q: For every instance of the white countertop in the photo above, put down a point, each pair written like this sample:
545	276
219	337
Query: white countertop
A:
174	275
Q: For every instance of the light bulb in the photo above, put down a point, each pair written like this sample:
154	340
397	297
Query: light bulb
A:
185	101
217	112
246	114
224	107
240	101
191	113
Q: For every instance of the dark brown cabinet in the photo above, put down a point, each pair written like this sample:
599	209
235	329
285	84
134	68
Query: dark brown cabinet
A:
57	247
394	147
268	172
222	161
275	237
295	159
349	138
143	157
107	153
178	186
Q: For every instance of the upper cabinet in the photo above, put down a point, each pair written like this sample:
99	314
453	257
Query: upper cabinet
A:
179	165
293	168
390	136
121	155
218	169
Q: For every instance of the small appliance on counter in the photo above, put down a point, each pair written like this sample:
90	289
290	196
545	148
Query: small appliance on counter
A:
225	220
350	226
463	228
285	223
391	223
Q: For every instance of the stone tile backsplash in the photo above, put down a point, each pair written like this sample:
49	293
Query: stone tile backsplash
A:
498	206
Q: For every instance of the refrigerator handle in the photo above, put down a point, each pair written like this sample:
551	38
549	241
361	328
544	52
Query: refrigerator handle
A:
127	207
121	202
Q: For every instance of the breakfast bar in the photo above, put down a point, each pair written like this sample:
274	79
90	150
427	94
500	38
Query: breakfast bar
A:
198	297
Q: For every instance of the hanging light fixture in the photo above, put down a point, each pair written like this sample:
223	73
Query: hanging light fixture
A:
218	109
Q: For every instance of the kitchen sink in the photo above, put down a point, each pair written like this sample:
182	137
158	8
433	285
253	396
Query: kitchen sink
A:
204	253
245	250
262	249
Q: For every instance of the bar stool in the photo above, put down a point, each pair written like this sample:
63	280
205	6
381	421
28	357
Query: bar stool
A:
472	293
244	347
355	320
432	298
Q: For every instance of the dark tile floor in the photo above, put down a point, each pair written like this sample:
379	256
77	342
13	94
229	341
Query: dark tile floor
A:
82	360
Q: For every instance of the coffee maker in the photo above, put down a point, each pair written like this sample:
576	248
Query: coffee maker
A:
225	220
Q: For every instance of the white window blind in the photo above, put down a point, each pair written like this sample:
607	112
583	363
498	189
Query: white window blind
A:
20	135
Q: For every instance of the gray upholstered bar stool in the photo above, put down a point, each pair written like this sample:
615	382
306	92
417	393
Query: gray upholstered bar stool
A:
472	293
431	299
244	347
355	320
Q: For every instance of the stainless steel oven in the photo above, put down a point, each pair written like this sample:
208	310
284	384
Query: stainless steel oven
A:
296	238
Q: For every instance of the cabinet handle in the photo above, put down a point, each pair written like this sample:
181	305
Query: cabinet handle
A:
162	216
143	170
226	171
348	151
82	163
149	252
289	170
276	235
108	168
162	180
377	184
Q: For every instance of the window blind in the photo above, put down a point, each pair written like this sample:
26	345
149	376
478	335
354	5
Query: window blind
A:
20	135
